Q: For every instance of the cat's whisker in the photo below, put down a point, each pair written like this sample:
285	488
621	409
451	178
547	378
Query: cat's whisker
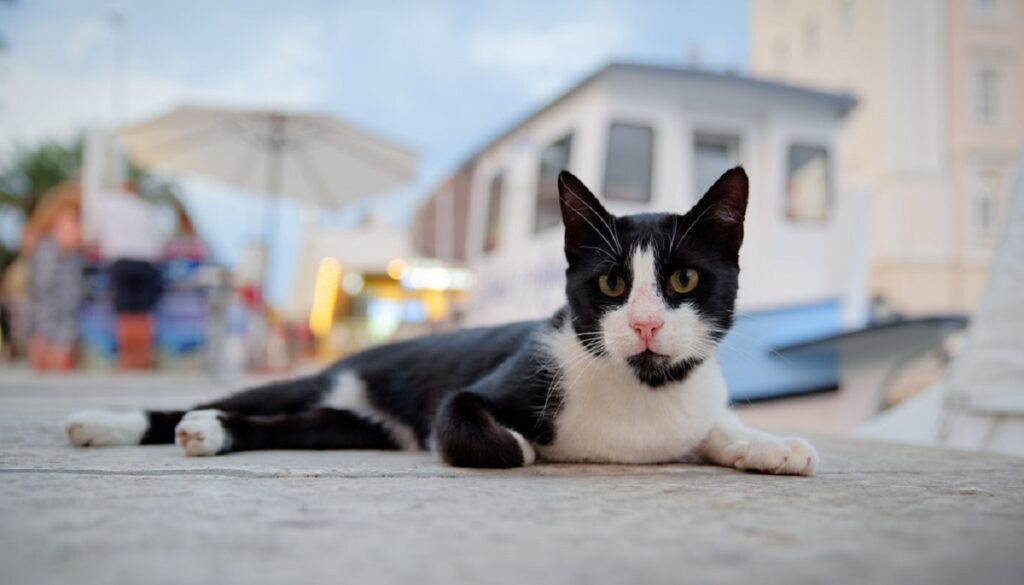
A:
603	251
615	233
767	350
599	216
592	226
672	240
746	315
558	379
693	224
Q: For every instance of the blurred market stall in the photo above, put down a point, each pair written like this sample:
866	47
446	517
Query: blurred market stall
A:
315	159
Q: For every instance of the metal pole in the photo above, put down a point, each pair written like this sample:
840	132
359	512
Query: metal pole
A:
118	88
444	235
275	159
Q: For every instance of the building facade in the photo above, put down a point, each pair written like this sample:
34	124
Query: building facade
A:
938	129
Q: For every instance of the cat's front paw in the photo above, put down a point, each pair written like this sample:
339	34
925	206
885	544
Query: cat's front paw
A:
201	433
773	455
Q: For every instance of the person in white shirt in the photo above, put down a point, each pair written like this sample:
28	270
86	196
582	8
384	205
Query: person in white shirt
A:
131	240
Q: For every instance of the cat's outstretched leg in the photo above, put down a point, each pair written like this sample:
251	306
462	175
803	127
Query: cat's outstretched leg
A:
733	444
214	432
104	428
96	428
467	435
101	428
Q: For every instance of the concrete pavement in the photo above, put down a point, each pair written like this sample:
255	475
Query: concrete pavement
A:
876	513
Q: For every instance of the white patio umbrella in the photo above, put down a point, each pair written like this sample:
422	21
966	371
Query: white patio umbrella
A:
312	158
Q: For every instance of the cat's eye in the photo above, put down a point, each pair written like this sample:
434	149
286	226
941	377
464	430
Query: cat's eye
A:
612	285
684	281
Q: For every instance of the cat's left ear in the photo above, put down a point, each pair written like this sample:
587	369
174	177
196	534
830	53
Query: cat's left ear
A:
586	220
719	213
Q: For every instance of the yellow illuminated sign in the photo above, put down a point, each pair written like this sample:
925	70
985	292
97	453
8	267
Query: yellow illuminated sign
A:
325	296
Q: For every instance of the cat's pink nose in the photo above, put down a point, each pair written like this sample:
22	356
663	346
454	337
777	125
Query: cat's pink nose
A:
646	328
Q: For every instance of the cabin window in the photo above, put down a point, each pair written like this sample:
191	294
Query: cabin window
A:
492	227
808	184
781	50
629	163
986	95
986	8
986	206
553	160
713	154
811	39
847	13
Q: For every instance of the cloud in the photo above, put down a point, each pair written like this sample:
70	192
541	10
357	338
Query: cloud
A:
85	36
42	99
542	60
291	67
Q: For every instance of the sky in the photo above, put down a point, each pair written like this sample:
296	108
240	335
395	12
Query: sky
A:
440	77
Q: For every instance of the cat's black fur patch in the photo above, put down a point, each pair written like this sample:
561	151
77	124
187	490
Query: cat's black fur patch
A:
320	428
160	427
467	389
283	397
658	370
468	435
409	379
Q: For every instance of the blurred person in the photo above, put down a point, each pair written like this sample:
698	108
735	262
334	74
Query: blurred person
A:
51	242
185	235
6	328
183	314
276	355
228	333
131	239
256	327
14	291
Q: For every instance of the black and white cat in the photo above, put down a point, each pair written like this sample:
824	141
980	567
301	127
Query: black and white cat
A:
624	373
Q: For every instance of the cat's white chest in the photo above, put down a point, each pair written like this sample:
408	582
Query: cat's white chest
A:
609	416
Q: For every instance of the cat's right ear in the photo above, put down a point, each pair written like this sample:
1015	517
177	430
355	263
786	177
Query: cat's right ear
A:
718	216
586	220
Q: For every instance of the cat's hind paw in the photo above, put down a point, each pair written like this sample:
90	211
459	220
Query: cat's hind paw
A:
100	428
201	433
772	455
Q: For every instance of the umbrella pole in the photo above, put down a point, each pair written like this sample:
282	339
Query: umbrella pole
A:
275	158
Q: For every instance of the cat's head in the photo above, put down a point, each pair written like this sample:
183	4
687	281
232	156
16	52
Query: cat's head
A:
654	290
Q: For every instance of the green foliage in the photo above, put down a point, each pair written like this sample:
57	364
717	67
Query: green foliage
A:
34	171
31	173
